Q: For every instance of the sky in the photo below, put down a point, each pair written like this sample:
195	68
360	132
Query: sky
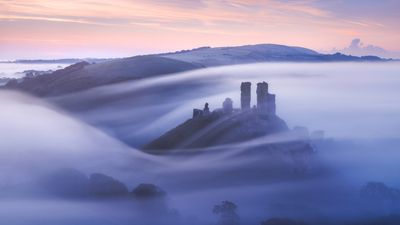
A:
102	28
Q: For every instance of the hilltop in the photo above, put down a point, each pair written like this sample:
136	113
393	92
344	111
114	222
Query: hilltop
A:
83	75
229	125
208	56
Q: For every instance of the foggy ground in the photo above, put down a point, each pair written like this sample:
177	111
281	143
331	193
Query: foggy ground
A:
100	130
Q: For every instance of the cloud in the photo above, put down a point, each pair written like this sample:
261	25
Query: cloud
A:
185	4
51	19
181	24
358	48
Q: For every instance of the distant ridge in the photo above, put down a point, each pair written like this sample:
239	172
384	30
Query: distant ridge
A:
208	56
83	75
80	76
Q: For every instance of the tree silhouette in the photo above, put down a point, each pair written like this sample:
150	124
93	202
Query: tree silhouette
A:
227	213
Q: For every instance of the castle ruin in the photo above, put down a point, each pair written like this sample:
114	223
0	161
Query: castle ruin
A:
265	102
245	95
262	97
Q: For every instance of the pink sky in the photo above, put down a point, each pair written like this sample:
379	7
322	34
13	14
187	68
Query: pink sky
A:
102	28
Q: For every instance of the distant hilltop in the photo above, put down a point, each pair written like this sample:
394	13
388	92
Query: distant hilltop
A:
98	72
211	56
207	56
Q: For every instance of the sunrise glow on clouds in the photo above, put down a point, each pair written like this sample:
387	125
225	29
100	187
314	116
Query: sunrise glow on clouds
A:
99	28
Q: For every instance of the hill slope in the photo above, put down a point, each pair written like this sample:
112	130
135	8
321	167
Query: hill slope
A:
81	76
208	57
218	129
242	54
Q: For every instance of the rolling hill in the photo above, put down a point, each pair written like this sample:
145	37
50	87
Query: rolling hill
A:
83	76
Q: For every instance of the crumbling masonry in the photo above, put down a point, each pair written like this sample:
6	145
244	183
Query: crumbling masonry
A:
265	102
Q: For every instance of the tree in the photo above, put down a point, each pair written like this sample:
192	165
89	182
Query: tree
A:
227	213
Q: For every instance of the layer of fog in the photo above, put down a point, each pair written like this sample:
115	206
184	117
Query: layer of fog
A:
15	70
354	103
344	99
37	138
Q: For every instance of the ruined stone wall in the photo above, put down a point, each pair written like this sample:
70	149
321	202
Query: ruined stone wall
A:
227	106
262	97
245	96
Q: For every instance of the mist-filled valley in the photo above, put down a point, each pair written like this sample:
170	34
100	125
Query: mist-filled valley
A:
18	70
81	157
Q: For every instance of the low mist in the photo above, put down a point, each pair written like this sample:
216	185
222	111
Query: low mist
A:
102	130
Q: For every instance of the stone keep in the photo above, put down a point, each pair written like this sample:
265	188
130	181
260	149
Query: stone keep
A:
262	97
245	95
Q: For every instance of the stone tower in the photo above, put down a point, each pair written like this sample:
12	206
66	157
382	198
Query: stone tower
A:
262	97
245	95
227	106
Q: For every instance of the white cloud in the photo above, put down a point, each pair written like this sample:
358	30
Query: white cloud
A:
358	48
